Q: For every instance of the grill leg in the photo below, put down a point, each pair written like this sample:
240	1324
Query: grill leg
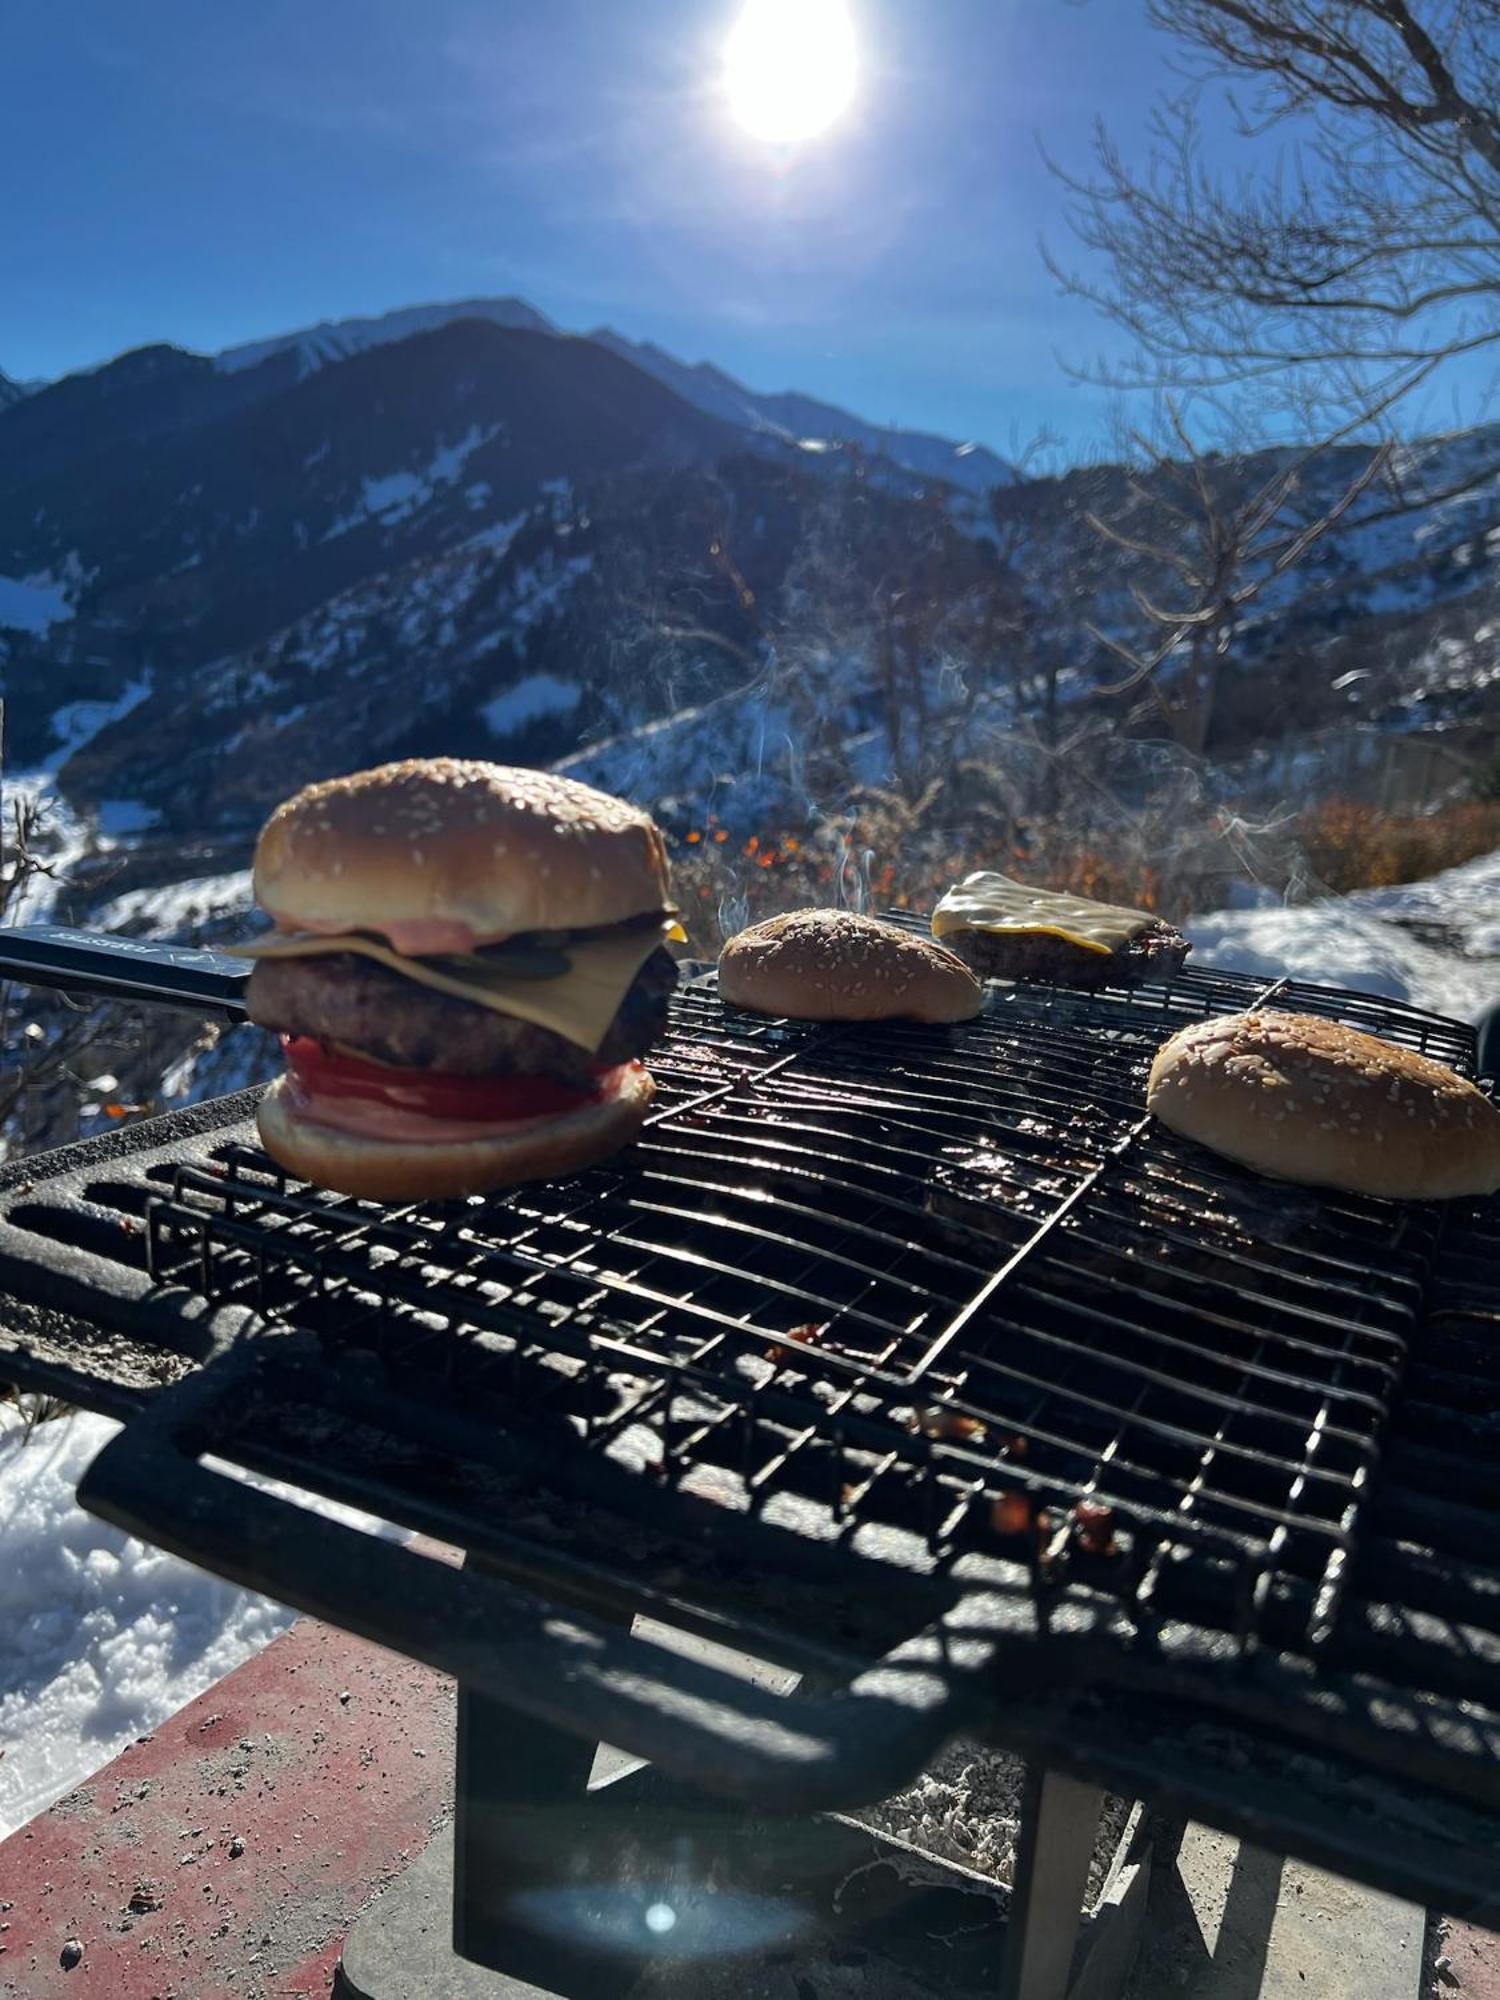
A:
1059	1825
519	1787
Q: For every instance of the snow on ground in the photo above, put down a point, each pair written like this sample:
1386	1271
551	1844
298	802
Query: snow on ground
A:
1465	900
173	911
335	340
33	603
394	495
65	838
102	1637
119	818
1366	940
222	1061
527	700
79	722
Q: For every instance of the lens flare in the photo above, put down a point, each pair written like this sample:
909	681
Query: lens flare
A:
790	67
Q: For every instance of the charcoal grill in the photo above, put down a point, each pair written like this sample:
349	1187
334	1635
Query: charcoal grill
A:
915	1360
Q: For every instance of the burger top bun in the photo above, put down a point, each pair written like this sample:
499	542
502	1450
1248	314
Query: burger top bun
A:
444	845
830	965
1309	1100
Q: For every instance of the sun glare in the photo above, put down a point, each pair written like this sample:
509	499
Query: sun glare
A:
789	67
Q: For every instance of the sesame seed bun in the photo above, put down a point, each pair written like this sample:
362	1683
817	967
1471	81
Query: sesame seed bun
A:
443	841
830	965
1306	1099
392	1170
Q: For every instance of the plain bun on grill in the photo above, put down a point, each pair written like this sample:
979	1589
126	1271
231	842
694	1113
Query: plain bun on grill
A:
445	841
393	1170
1309	1100
830	965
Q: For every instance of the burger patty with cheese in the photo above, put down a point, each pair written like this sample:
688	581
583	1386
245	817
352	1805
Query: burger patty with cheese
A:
468	963
1004	929
340	998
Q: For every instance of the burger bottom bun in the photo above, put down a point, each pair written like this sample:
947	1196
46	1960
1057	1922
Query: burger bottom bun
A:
831	965
1306	1099
401	1170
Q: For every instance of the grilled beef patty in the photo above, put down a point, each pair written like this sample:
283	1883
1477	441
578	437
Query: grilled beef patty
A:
1156	954
376	1012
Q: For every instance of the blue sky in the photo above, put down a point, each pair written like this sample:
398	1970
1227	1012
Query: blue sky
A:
207	173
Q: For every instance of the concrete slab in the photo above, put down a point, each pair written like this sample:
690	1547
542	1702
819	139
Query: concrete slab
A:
225	1856
931	1936
1468	1962
1231	1922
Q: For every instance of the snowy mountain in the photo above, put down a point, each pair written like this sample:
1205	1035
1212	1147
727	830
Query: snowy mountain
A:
315	347
791	418
802	419
175	514
460	526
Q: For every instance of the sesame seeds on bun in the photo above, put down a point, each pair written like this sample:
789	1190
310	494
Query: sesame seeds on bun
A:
830	965
1307	1099
458	849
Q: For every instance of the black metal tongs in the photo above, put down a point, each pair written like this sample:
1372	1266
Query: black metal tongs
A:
126	968
189	976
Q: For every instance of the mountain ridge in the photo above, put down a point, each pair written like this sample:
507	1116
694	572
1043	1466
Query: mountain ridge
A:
787	414
331	341
12	391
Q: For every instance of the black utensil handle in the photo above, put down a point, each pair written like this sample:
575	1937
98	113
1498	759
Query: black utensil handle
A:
719	1732
122	968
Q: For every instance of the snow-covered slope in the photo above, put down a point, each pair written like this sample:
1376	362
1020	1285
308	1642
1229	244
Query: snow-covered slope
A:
1435	943
335	340
33	603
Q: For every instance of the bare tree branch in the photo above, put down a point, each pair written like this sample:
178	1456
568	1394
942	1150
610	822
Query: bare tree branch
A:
1376	249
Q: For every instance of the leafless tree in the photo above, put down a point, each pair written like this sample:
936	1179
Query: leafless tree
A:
1219	544
1372	248
46	1047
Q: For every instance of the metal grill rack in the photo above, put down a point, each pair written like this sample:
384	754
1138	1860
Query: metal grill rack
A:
878	1331
940	1281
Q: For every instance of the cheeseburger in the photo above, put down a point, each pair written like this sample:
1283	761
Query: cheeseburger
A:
467	965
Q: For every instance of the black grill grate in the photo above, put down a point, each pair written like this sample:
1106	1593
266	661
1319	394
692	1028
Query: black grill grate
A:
914	1291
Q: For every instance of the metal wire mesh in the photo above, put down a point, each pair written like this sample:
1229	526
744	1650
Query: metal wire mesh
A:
944	1284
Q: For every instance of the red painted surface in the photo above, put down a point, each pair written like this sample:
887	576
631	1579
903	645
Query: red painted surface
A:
1473	1971
225	1857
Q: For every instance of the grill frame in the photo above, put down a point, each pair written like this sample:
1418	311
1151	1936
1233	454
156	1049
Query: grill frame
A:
1027	1642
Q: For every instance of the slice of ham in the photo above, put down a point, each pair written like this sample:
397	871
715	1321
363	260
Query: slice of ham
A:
413	937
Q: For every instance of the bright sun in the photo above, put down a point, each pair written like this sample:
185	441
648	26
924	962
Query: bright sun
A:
789	67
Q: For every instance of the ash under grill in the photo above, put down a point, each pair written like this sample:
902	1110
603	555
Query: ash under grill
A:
892	1316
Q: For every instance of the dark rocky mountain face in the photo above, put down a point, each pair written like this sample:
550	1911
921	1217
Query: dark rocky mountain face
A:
498	539
612	599
197	512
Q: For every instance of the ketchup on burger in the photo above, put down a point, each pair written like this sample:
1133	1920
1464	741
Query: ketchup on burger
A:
468	963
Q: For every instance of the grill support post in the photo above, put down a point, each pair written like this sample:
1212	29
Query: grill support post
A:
1059	1825
518	1786
528	1830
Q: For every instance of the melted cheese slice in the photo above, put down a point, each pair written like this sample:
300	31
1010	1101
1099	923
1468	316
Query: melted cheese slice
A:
984	902
577	1004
